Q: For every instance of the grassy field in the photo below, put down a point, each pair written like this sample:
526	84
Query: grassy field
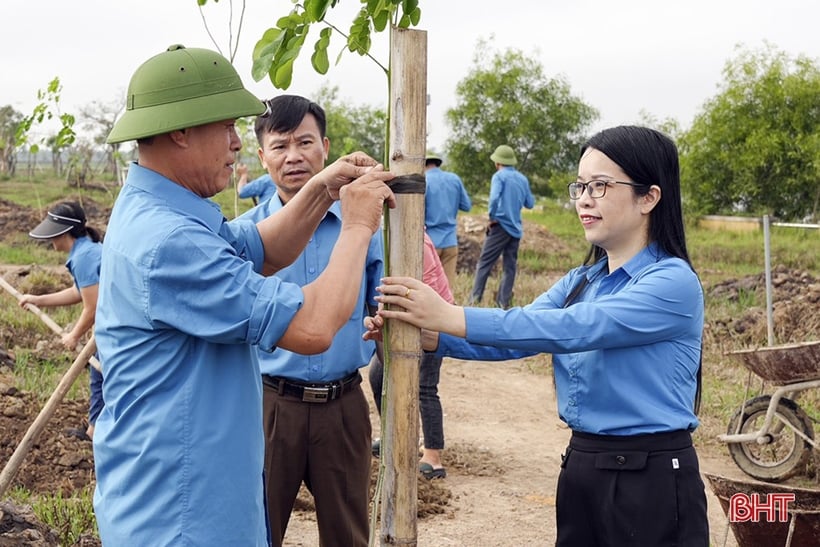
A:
718	256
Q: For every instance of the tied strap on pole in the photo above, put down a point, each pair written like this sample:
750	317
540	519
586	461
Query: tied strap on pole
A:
408	184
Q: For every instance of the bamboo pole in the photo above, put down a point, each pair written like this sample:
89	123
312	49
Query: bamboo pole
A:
408	130
10	470
57	329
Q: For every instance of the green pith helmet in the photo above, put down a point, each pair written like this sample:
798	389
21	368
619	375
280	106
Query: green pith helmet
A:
180	88
433	157
504	155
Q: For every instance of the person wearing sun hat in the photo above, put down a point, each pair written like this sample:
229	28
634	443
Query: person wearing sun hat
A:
65	228
444	197
179	447
509	193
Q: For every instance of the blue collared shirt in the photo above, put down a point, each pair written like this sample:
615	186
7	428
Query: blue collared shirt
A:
348	352
261	188
84	262
509	192
625	354
444	197
179	447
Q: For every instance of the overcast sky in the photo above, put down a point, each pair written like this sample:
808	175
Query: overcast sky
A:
621	57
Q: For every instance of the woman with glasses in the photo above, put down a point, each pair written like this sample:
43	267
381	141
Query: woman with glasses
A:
625	331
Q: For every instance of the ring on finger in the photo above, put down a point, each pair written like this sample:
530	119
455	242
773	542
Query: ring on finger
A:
407	294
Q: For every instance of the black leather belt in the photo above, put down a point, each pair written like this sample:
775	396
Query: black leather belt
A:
312	392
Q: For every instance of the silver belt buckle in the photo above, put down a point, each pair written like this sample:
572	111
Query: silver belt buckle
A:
315	394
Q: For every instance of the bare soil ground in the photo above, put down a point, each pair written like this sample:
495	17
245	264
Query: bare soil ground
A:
504	438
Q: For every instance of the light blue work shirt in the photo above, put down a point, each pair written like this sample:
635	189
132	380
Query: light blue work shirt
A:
625	354
348	352
261	188
509	192
84	262
444	197
179	447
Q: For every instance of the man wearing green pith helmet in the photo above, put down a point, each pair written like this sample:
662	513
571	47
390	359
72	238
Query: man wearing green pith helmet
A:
179	447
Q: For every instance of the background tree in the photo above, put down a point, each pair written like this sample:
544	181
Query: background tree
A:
507	99
755	147
48	108
9	121
352	127
98	118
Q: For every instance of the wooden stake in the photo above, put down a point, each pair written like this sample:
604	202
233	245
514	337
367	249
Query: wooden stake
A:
57	329
408	130
10	470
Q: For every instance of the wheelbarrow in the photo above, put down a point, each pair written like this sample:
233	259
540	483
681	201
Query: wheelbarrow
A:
797	526
770	437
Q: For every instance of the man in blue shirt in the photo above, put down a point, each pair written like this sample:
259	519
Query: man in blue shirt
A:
179	447
260	189
444	198
316	417
509	192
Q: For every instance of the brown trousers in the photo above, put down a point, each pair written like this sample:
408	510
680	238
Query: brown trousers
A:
449	261
326	445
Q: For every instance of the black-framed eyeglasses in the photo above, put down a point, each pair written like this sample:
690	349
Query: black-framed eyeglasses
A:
596	188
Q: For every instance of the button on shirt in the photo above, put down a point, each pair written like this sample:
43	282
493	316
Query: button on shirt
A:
444	197
179	445
509	192
348	352
261	188
84	262
625	354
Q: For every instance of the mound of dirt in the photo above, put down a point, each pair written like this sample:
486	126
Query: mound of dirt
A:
19	526
795	301
470	231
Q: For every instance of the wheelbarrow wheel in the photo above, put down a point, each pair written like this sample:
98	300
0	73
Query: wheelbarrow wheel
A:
784	453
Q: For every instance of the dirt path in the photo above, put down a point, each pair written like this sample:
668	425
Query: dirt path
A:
508	414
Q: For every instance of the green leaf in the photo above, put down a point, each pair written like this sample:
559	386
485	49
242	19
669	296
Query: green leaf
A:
359	38
404	22
415	16
319	58
316	9
407	6
283	76
380	20
265	51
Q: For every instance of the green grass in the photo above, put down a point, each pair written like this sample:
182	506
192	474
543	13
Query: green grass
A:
39	193
19	249
71	516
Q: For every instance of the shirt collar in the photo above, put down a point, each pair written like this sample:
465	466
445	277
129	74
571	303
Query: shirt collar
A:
275	204
177	196
648	255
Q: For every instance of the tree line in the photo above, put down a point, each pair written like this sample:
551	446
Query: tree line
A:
753	148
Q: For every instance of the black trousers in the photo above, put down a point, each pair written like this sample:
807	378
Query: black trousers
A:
640	491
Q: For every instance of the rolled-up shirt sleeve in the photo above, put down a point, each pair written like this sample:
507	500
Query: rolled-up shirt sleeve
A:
184	295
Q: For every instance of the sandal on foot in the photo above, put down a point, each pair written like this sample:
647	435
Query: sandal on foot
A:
429	472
